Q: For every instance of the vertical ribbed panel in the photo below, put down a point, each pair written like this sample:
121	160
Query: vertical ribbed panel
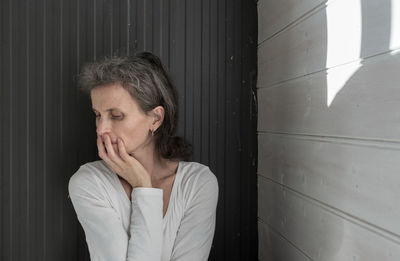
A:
47	128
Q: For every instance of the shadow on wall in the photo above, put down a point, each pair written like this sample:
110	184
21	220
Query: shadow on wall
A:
357	45
361	83
357	32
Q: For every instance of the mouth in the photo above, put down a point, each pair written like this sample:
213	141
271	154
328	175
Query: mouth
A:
103	138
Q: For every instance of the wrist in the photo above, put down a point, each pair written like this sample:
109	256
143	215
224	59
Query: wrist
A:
145	185
142	184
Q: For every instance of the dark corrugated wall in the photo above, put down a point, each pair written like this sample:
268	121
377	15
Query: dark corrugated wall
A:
47	128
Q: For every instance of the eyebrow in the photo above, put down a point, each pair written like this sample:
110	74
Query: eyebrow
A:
111	109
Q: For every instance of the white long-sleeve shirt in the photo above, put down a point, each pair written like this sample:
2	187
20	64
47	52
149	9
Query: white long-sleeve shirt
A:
118	229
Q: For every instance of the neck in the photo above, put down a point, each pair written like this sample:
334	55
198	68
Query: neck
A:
154	164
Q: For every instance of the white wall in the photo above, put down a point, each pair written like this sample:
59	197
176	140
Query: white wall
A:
329	130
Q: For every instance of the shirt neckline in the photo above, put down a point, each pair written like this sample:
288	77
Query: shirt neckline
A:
171	197
173	190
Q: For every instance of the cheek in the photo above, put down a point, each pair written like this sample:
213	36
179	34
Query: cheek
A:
133	134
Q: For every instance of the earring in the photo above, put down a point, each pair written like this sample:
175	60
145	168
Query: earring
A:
152	132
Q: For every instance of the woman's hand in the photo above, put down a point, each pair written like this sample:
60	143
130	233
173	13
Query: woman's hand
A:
122	163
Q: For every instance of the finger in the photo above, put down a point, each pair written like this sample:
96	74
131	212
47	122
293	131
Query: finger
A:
111	152
100	147
103	155
122	150
108	146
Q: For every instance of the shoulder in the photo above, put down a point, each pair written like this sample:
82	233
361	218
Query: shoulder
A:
197	178
197	173
90	177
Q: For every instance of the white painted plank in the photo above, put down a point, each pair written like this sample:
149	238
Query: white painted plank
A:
367	106
362	181
318	232
273	16
356	29
273	247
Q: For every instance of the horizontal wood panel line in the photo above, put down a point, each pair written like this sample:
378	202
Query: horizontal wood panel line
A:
305	16
375	143
364	61
260	220
337	212
337	174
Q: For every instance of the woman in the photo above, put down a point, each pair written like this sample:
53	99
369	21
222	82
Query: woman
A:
142	201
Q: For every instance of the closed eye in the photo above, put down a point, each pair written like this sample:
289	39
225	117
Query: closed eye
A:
116	117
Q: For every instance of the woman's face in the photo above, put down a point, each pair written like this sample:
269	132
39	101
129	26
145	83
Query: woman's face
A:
119	116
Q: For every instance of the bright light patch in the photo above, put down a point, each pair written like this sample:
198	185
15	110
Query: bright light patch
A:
337	78
395	25
344	43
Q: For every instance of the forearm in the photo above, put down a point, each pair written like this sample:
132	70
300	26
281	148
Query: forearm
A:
146	229
107	238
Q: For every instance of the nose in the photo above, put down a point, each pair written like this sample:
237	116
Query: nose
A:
102	127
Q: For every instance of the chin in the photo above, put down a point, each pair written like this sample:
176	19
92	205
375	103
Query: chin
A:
131	152
139	149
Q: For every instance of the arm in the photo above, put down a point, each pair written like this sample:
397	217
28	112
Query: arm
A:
105	235
196	232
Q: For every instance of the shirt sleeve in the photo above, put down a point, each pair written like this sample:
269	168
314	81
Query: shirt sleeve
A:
196	231
105	235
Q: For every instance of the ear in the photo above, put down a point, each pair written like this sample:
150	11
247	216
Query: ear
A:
157	115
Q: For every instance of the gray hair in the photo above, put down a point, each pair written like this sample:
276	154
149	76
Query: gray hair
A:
149	84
